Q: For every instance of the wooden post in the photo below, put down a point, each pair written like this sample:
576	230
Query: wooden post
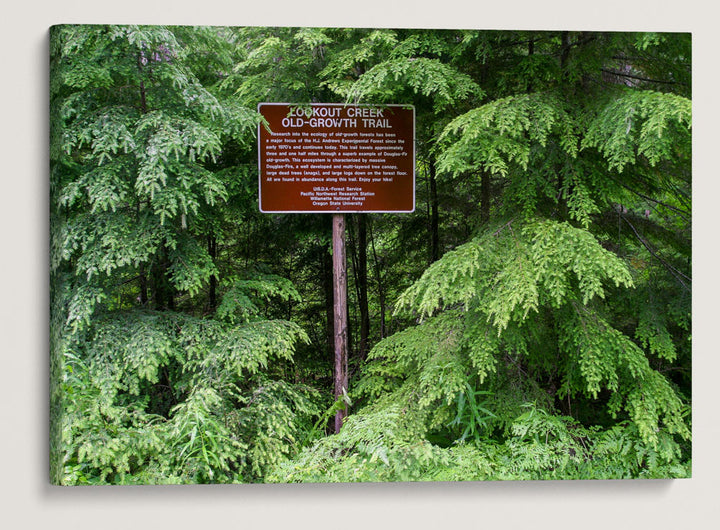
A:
340	310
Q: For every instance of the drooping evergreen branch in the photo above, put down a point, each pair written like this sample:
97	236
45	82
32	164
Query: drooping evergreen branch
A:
679	275
682	213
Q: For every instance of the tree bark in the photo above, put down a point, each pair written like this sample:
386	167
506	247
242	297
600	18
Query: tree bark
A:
327	282
484	196
163	292
564	52
212	250
340	313
143	286
531	51
434	215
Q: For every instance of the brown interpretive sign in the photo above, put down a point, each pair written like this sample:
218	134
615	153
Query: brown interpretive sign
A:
335	158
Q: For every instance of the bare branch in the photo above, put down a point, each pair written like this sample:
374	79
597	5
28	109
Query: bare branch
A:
639	78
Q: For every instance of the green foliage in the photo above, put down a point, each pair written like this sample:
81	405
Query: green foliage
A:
641	124
502	133
190	265
140	138
101	441
428	77
206	450
265	428
279	64
362	49
371	447
428	345
555	272
541	289
164	397
541	446
244	295
472	414
134	161
511	274
653	335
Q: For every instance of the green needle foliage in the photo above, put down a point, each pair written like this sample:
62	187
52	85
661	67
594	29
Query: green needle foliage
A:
541	348
150	387
530	320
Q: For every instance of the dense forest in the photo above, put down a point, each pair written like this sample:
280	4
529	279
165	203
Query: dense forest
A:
531	319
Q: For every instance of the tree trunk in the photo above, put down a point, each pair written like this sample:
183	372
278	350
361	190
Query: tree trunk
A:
327	282
484	196
434	215
531	51
143	286
212	250
564	52
169	289
163	294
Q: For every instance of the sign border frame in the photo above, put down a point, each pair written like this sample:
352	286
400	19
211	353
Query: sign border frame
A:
323	211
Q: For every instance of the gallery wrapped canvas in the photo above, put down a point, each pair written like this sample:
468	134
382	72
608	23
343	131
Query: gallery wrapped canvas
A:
528	318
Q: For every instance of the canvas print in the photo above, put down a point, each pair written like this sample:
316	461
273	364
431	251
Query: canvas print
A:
304	254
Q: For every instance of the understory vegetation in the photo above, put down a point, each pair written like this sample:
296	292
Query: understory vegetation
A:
531	319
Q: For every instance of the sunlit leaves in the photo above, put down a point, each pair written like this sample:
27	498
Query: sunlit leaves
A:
205	436
521	273
103	243
652	125
445	283
501	133
374	446
190	265
508	274
269	437
540	445
560	247
428	77
655	408
245	295
430	350
249	348
205	448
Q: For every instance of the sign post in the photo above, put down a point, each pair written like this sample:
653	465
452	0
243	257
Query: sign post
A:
336	158
340	313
